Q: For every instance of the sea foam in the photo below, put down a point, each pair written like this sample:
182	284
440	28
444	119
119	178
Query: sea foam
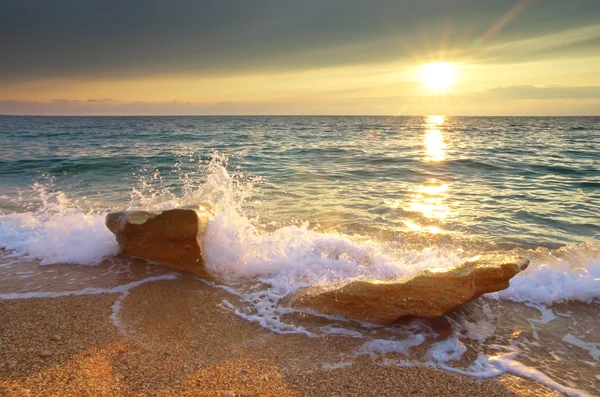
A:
57	232
549	279
262	265
241	250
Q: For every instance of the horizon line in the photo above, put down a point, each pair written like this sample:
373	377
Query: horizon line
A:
280	115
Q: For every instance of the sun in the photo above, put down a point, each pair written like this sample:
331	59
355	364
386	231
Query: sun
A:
438	77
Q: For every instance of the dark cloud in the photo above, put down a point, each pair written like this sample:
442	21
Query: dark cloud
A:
41	38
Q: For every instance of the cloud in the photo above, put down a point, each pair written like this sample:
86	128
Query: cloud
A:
569	43
80	38
113	107
510	100
525	92
100	107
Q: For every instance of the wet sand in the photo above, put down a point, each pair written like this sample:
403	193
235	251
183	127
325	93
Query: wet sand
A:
175	338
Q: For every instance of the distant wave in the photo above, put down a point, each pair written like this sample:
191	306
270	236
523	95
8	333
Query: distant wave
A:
581	128
477	164
81	164
590	185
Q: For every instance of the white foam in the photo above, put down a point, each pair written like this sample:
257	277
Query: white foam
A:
86	291
378	347
477	329
124	290
547	314
220	188
57	232
591	348
280	263
8	264
261	267
333	330
283	261
484	367
549	280
451	349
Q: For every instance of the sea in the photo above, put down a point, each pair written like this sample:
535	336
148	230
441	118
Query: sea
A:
302	201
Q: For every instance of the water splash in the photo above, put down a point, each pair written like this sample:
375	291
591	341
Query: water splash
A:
57	231
261	263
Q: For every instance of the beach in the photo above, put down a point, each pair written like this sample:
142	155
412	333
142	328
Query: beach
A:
175	338
296	203
300	198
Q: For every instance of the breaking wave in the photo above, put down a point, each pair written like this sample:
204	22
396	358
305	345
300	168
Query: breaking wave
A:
260	262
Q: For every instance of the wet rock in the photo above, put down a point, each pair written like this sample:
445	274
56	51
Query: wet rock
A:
171	237
428	294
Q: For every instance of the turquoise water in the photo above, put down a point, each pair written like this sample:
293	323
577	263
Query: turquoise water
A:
522	182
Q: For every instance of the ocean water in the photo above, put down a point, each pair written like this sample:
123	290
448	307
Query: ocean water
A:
304	201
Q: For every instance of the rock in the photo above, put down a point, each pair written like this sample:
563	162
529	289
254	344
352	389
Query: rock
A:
45	354
56	338
428	294
171	237
228	394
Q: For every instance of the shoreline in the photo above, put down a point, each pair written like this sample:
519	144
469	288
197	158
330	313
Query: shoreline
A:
176	338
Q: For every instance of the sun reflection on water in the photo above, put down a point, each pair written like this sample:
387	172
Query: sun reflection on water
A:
435	120
427	209
434	140
417	228
430	201
429	206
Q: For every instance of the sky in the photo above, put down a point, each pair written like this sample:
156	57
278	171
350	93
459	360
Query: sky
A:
341	57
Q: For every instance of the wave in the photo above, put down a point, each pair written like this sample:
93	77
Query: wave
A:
477	164
239	247
559	170
57	232
293	257
581	128
589	185
60	165
568	273
260	264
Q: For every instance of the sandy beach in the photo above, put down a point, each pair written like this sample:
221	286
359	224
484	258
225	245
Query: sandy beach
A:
175	338
300	198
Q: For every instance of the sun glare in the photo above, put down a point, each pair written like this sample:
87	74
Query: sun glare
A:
438	77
